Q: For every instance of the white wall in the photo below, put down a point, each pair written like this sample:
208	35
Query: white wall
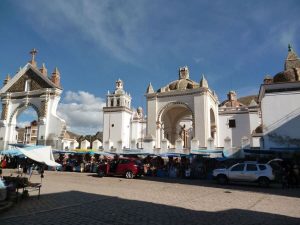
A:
96	144
117	128
138	131
281	116
245	124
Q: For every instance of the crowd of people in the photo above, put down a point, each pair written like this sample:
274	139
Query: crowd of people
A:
172	166
197	167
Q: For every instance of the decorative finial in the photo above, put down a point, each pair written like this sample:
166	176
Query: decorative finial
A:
33	52
44	69
56	77
6	80
290	47
184	73
119	84
203	82
150	89
232	96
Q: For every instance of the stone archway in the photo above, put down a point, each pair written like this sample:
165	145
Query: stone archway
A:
21	108
176	120
31	87
29	134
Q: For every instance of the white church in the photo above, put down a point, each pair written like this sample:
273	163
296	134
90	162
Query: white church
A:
186	116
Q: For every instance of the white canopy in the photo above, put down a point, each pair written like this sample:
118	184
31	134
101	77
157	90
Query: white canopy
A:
41	154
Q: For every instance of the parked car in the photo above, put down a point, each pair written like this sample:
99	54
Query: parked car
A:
127	167
246	172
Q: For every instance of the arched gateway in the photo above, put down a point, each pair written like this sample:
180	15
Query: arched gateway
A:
183	110
32	88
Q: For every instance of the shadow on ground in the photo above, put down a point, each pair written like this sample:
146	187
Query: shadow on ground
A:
84	208
274	189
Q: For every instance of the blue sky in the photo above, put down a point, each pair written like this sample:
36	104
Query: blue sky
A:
93	43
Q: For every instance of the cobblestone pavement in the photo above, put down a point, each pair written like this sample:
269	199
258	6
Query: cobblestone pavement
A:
76	198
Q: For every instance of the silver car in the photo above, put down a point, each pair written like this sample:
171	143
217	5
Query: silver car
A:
246	172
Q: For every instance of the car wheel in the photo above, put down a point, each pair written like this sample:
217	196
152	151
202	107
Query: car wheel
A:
129	175
263	182
222	179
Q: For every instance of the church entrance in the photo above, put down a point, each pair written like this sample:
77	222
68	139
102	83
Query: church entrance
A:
176	121
27	129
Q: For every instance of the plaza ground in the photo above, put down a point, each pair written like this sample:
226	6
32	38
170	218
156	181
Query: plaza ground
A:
81	198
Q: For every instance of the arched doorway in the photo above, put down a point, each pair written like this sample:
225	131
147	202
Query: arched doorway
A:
27	128
176	121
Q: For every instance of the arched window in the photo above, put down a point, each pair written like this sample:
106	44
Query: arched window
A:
111	102
118	102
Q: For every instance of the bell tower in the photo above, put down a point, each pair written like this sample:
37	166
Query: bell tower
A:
116	119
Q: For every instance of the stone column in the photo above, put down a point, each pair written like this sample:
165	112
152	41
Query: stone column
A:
158	134
164	145
179	145
133	144
195	144
210	143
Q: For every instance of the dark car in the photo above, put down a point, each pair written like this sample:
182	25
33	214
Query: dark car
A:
127	167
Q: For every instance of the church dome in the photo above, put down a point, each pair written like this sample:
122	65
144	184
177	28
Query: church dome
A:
291	71
182	83
289	75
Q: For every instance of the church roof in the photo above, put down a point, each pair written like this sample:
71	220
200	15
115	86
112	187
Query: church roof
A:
183	83
231	103
180	84
15	84
70	135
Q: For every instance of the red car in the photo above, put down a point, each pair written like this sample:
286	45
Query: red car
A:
127	167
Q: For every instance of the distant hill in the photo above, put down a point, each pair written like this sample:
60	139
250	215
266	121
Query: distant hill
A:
247	99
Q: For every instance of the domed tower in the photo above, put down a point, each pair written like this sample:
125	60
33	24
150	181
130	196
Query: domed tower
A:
182	105
116	119
291	71
280	106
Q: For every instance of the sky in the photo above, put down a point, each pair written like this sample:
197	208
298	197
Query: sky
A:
93	43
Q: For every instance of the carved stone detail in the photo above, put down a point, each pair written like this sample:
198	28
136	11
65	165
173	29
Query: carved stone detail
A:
35	84
44	108
4	111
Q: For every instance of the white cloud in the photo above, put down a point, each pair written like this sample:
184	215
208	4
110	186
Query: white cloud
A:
82	112
112	25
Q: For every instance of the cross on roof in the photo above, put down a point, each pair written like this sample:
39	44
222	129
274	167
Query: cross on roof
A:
33	52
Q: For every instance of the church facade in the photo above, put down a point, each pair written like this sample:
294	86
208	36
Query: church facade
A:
186	116
31	87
